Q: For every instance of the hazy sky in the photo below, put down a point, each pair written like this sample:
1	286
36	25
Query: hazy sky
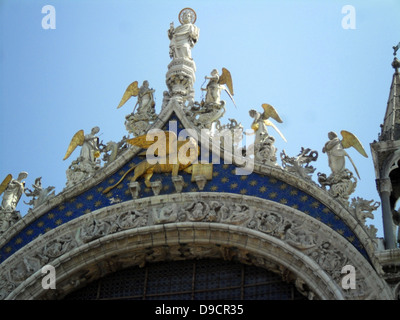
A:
324	68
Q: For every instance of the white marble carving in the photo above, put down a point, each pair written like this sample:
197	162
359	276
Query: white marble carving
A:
263	148
300	165
90	148
287	225
39	194
134	188
180	76
112	150
12	190
139	122
88	162
178	183
183	37
210	110
341	181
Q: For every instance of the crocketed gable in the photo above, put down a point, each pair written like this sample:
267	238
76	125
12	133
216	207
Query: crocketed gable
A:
224	180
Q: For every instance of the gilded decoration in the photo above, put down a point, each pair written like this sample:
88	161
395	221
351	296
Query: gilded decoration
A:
269	215
223	179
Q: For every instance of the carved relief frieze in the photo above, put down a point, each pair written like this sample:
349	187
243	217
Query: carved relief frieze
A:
59	246
289	226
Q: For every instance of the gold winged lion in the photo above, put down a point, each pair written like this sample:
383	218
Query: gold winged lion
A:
165	153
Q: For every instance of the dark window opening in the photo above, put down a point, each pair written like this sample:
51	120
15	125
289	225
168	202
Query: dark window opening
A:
190	280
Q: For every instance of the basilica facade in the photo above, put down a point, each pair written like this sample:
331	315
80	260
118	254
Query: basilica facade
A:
182	211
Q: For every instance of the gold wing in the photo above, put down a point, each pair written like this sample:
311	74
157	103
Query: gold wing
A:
226	78
270	112
77	140
269	123
4	184
132	90
147	140
350	140
230	96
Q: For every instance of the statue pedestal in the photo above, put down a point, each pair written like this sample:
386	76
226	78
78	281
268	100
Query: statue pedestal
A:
134	187
156	186
178	183
180	78
200	181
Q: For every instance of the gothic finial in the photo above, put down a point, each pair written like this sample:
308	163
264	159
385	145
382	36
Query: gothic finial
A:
396	62
395	48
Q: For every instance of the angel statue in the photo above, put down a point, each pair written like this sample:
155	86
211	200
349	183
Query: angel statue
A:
137	122
216	85
213	108
335	149
13	190
89	159
90	145
261	121
341	181
145	98
264	149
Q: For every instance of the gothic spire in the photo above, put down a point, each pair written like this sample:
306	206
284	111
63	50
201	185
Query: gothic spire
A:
391	122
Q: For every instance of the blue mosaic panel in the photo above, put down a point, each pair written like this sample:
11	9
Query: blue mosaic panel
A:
224	179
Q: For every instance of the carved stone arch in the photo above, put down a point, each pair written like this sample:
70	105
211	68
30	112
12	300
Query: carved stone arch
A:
396	291
250	230
248	247
391	171
390	164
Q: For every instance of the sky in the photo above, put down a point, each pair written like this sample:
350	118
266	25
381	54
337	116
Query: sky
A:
324	68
